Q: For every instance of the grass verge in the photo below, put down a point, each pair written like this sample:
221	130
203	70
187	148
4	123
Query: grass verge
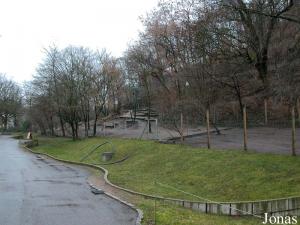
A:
215	175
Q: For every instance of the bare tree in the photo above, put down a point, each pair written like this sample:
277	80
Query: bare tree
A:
10	101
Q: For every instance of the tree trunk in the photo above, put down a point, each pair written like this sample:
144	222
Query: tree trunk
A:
73	131
95	126
5	122
245	129
76	130
42	129
62	127
86	131
266	111
298	110
16	124
52	127
95	121
149	122
262	69
181	128
208	128
241	106
238	94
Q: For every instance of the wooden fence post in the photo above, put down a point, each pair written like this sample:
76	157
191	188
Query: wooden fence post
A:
208	128
293	132
245	128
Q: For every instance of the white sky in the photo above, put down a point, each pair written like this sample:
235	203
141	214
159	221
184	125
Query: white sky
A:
28	26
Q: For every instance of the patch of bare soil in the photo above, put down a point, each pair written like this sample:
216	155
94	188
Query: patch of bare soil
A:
265	140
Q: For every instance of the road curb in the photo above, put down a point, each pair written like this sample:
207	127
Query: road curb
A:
139	212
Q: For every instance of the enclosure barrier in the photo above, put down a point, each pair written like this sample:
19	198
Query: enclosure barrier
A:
276	207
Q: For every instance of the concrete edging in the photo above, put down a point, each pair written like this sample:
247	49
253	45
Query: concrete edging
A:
281	206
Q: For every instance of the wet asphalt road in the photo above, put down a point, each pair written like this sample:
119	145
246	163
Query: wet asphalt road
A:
39	191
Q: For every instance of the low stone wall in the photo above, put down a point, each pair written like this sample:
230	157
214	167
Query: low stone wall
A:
276	207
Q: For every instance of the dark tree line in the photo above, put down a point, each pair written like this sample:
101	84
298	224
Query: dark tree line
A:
193	55
72	87
10	103
197	55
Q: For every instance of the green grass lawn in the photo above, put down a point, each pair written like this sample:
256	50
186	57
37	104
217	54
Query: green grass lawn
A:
174	215
212	174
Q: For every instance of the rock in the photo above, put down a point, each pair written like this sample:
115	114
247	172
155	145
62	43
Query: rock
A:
106	156
96	191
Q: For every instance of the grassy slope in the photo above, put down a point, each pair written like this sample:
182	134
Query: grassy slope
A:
213	174
216	175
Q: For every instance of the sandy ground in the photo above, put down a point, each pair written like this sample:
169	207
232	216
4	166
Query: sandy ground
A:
262	139
140	131
266	140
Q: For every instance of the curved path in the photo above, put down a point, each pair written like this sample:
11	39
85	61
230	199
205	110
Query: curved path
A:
40	191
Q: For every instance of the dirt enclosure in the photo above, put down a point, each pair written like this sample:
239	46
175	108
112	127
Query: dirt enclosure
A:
266	140
260	139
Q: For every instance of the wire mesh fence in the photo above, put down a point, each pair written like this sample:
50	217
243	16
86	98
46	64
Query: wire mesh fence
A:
262	126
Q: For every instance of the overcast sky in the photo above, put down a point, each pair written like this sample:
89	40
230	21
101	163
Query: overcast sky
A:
26	27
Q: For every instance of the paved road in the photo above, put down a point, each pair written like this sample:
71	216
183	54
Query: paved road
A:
38	191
